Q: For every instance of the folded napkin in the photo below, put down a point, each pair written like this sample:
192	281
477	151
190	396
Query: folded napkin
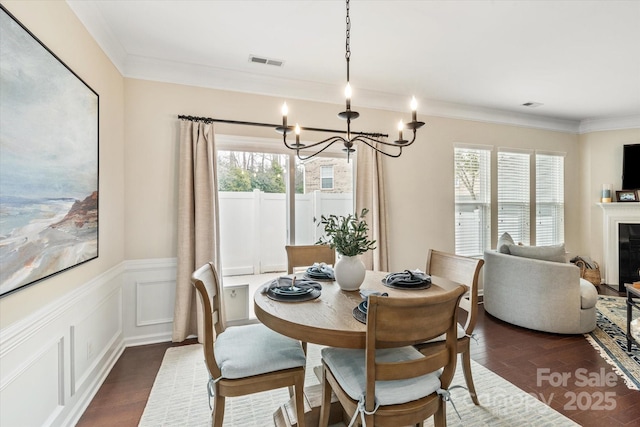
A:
320	271
366	293
407	279
285	282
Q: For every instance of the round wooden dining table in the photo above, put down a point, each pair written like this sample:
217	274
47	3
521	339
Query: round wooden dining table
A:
327	320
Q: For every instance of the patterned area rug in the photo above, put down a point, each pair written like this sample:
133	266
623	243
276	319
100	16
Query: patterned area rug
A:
609	338
179	398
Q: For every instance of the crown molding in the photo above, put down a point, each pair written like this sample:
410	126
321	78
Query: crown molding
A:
610	123
91	18
145	68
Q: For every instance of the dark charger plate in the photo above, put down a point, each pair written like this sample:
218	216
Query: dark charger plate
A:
299	292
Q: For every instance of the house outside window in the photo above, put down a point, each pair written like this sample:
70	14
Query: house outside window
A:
328	175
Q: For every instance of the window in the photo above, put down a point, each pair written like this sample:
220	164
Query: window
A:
549	199
326	177
517	189
252	194
473	200
514	195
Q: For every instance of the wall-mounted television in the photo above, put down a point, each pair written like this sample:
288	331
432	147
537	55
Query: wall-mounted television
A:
631	167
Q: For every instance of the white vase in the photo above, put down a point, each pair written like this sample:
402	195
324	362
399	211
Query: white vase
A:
349	271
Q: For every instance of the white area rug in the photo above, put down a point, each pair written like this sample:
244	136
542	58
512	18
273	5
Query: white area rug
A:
179	398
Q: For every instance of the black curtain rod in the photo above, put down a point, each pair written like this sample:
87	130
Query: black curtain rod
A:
236	122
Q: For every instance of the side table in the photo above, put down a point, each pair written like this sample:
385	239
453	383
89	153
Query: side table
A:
632	292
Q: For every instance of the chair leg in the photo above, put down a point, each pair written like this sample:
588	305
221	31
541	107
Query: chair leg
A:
466	368
370	420
325	408
218	410
299	399
440	417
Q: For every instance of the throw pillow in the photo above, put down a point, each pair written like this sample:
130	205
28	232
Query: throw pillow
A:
503	243
555	253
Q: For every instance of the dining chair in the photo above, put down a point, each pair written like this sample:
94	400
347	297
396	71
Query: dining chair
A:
452	270
389	382
307	255
245	359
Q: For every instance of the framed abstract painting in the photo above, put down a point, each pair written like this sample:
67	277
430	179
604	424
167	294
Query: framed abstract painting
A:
48	162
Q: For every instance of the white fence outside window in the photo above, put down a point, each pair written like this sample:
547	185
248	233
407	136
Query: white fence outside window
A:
253	227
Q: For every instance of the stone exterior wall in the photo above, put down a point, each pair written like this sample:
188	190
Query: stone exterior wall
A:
342	175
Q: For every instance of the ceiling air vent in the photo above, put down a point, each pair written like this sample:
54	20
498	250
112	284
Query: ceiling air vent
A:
266	61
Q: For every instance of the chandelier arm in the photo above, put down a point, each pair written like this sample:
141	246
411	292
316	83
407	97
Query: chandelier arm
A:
387	143
335	139
415	132
373	147
329	140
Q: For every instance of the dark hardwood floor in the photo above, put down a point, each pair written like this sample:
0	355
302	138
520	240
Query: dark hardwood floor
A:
514	353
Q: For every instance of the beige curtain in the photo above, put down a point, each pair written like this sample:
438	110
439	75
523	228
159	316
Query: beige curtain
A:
198	233
370	194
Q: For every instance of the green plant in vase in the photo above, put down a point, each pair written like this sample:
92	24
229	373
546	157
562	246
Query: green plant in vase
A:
348	235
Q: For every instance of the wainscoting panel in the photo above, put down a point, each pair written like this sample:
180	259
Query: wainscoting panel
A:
53	362
150	308
37	386
94	336
149	296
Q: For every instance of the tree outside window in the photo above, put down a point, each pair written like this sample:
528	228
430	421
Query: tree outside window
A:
247	171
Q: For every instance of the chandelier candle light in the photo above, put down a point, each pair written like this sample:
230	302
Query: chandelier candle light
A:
370	139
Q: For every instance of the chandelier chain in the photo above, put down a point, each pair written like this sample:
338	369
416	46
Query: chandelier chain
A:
348	47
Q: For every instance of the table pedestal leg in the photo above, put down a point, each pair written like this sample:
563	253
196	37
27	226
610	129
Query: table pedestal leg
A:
285	416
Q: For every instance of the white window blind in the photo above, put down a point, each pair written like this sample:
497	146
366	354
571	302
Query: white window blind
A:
473	200
513	195
549	199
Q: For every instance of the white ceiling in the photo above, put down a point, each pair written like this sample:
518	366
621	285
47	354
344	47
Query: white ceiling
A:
475	59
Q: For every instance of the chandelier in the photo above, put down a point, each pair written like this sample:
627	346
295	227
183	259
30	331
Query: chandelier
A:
373	140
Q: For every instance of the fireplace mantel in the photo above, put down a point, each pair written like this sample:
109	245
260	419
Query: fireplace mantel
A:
614	214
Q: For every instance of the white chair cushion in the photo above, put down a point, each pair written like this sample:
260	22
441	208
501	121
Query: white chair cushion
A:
588	294
461	333
244	351
347	366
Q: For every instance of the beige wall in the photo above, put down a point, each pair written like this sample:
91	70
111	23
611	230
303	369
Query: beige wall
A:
419	184
601	164
59	29
138	179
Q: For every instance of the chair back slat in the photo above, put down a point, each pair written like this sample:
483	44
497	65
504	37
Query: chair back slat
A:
205	281
307	255
451	270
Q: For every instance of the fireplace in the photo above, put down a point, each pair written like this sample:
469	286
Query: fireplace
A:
615	215
628	253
